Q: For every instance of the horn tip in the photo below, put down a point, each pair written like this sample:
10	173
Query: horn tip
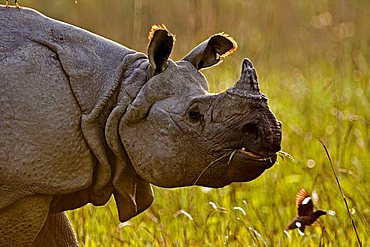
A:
247	63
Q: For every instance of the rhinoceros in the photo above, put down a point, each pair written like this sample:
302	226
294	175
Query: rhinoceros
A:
83	118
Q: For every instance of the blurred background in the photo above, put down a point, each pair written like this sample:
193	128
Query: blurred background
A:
313	59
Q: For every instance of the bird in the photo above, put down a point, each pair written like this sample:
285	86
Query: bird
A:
306	215
15	1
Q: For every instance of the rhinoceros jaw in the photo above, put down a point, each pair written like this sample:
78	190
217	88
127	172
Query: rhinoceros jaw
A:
256	156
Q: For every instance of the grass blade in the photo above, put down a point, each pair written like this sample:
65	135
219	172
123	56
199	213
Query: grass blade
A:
341	191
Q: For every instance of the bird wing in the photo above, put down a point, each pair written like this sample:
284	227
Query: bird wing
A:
304	203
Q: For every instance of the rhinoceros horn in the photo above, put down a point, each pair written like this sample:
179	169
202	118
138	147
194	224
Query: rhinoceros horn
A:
247	85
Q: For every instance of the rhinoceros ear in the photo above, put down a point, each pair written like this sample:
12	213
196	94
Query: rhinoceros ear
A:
160	47
210	52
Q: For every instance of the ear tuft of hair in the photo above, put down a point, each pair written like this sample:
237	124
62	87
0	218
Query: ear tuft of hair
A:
156	28
233	42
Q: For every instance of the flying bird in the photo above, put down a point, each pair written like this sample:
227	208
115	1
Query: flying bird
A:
15	1
306	215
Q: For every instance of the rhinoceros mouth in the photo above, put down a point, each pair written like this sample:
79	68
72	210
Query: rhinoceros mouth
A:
241	165
252	160
256	156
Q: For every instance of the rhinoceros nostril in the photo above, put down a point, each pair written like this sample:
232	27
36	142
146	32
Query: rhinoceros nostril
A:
251	130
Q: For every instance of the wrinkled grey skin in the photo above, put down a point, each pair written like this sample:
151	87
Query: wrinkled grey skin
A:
82	118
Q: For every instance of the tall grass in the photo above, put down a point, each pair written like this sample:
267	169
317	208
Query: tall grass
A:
313	61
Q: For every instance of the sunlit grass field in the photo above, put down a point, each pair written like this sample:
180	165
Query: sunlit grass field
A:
313	62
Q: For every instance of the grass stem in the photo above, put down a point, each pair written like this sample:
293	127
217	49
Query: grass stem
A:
341	191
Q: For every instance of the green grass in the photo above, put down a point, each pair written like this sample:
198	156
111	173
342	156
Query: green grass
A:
313	62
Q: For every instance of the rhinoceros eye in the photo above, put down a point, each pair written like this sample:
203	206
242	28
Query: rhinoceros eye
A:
195	116
194	113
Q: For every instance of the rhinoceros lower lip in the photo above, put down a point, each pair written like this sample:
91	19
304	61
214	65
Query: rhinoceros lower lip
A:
256	156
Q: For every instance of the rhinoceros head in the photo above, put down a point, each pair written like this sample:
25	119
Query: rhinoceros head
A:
177	134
